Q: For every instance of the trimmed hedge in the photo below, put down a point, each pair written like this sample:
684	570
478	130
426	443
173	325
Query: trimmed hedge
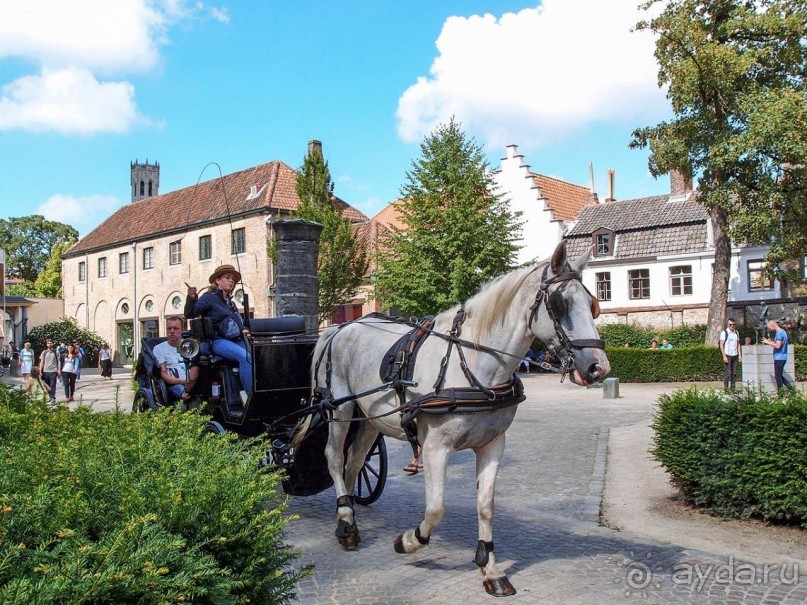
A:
616	335
800	359
115	508
736	456
691	364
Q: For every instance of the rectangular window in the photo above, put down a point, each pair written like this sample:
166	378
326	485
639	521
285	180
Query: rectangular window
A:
205	247
175	253
603	244
639	283
102	266
123	262
681	280
604	286
756	280
239	241
148	328
148	258
82	271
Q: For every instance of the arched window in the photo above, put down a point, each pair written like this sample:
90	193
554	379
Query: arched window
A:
150	193
142	188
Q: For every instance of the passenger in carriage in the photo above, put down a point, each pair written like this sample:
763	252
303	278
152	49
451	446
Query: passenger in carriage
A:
218	305
172	365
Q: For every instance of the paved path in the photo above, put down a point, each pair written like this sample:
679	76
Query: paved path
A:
547	533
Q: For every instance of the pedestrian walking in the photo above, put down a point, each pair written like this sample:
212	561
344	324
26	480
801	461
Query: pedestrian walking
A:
779	344
732	353
50	368
105	361
80	354
26	360
69	367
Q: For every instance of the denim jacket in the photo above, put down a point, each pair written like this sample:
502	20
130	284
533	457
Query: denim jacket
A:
218	309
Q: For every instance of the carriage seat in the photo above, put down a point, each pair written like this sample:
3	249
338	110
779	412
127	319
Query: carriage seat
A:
278	326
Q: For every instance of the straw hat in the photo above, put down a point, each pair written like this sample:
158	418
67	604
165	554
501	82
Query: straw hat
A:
225	269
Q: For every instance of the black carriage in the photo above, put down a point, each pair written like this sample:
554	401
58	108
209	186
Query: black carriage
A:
281	353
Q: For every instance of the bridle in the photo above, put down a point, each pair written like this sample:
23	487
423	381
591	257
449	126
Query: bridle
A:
557	308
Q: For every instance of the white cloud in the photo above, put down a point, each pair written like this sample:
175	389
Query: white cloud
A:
70	101
537	74
83	213
74	46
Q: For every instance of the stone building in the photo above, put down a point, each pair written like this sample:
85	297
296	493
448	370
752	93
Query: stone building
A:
123	279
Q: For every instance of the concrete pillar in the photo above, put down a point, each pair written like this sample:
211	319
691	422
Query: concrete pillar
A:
610	388
297	284
757	367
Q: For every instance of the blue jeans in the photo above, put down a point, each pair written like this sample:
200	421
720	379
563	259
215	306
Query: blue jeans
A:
236	350
778	372
175	391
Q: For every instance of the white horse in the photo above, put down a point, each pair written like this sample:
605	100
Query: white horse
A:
461	388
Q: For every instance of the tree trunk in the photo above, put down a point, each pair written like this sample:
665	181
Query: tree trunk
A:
720	276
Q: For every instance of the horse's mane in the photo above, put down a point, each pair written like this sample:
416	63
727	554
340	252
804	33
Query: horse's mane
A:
491	302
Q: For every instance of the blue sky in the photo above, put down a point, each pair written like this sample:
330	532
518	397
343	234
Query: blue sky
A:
87	86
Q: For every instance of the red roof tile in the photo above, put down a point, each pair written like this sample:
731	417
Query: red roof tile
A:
208	202
565	199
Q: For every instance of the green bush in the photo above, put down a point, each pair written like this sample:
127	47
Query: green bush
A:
736	456
700	363
640	337
800	359
124	509
66	330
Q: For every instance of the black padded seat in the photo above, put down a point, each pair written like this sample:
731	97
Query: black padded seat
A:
278	326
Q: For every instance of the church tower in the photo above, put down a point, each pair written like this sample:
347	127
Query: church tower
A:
145	180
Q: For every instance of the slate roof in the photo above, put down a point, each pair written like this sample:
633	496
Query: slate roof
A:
565	199
201	204
640	213
644	227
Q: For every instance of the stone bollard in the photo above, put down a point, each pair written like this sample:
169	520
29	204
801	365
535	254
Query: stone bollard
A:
610	388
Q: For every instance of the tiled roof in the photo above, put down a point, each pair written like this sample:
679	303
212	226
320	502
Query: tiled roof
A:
638	213
657	241
274	182
389	216
650	226
565	199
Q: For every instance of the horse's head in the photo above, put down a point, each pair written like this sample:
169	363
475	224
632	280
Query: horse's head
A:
563	318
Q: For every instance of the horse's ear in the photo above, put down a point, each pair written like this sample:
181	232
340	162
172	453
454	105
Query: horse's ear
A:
580	262
559	258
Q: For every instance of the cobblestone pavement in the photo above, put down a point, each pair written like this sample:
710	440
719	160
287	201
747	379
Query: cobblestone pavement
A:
546	530
92	389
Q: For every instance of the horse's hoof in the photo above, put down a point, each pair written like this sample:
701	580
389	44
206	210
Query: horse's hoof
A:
348	535
350	542
499	587
399	547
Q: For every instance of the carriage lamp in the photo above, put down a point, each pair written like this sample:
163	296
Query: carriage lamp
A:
188	348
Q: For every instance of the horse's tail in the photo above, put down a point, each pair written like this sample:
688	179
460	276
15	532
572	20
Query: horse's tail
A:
319	351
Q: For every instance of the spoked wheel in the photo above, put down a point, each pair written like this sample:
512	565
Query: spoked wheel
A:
373	475
140	403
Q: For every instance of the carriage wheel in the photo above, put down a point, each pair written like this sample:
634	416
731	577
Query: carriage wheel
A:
373	475
213	427
140	403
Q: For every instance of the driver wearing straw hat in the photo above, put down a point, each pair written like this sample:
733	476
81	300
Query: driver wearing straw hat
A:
217	304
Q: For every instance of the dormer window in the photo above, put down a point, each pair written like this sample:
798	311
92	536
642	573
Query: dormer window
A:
603	240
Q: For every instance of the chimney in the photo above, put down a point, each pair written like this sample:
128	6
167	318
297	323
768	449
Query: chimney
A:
610	197
592	196
680	184
313	146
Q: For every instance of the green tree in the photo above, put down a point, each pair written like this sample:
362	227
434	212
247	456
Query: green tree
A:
29	241
25	288
48	283
343	254
735	72
458	232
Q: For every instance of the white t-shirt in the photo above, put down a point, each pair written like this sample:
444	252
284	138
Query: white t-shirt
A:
165	353
731	342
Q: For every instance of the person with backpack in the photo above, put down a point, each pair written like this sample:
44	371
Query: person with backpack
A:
732	353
